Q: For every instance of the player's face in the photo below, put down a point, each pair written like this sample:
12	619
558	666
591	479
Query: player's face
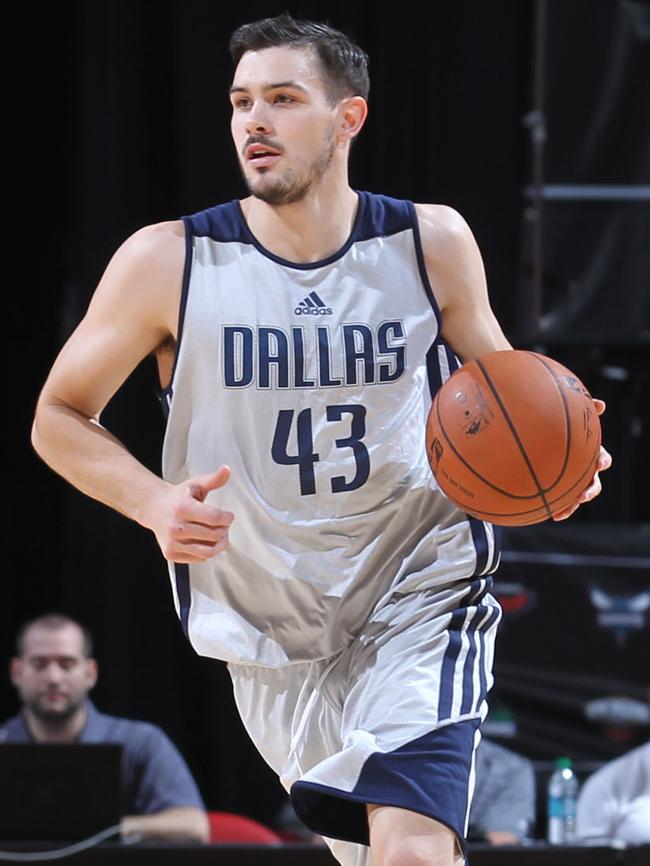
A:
53	676
282	124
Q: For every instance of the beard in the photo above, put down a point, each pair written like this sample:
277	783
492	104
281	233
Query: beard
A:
291	186
40	709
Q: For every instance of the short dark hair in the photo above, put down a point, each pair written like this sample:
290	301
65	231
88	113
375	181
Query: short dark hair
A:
53	622
345	65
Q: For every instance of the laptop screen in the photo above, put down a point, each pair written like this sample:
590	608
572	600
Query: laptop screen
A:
58	791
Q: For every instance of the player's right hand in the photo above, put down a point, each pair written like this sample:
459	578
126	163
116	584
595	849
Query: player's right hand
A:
595	486
187	528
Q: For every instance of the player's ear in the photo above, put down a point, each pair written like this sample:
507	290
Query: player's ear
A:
91	673
352	115
16	670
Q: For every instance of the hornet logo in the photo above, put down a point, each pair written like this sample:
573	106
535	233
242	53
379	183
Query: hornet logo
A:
620	613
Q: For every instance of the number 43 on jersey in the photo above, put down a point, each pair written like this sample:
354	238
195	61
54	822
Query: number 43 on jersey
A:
305	458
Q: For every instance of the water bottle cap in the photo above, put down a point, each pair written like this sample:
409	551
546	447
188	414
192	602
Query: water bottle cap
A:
563	763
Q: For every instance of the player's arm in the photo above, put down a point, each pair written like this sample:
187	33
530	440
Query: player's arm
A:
457	276
133	311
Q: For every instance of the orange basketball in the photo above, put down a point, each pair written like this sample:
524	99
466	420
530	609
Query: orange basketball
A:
513	438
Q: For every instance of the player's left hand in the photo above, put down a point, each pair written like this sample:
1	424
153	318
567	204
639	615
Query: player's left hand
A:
604	462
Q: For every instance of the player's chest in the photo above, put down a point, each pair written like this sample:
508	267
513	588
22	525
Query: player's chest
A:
361	321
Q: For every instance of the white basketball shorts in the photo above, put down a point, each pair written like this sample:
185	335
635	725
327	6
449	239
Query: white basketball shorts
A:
392	720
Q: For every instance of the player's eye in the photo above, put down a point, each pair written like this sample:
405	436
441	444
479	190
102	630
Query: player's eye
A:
241	102
284	98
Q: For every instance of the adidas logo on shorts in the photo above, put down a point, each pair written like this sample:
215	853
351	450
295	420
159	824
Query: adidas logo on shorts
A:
312	305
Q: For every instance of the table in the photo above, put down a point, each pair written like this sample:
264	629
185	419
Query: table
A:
116	854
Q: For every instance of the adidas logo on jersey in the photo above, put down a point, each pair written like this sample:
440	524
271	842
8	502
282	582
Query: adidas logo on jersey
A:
312	305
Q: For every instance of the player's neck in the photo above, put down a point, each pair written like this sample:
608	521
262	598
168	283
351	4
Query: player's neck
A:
56	730
307	231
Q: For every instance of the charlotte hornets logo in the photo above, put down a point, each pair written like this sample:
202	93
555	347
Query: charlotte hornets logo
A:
621	614
313	357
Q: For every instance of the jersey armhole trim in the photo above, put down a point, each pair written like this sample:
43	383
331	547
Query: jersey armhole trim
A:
426	284
166	393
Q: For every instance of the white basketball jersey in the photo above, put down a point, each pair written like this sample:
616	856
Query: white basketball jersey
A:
313	383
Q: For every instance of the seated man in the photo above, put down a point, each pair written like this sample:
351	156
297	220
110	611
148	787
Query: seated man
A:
53	671
614	802
503	806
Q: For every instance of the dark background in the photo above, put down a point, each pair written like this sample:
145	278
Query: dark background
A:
116	116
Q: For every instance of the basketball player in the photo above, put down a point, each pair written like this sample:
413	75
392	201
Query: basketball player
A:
308	545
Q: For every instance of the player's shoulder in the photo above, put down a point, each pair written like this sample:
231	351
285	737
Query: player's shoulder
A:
143	279
442	216
441	226
150	260
155	242
447	240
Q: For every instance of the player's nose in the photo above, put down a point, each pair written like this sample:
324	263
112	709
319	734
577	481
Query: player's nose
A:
258	119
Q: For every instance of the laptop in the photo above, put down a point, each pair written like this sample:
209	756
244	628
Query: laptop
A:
58	791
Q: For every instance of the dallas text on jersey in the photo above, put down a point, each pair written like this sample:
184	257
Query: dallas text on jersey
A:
303	357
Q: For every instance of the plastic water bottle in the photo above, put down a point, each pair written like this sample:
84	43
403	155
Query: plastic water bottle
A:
562	796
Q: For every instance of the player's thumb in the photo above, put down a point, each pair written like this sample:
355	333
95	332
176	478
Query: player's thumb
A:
201	485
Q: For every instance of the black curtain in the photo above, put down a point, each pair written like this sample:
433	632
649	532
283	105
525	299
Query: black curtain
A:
595	224
123	121
597	233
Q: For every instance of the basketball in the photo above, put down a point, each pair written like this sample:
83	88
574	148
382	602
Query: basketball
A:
513	438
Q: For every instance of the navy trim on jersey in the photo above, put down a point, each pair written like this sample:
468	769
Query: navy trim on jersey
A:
222	222
477	590
458	626
419	254
494	616
182	576
483	620
429	775
469	701
165	398
434	371
377	216
477	527
452	359
479	537
304	266
382	216
166	393
498	541
434	376
455	629
226	223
